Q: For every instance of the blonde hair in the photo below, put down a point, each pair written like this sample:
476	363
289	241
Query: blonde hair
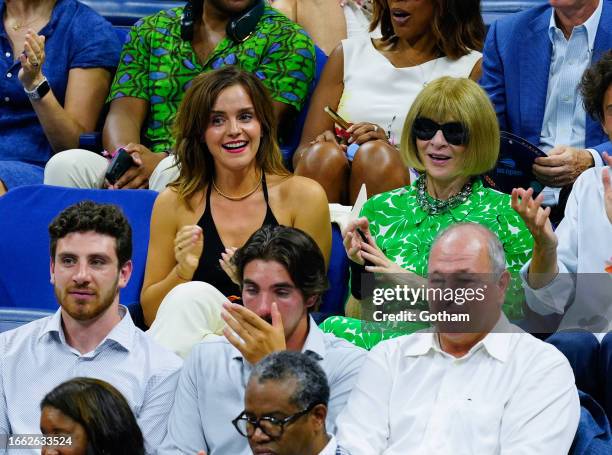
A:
450	99
194	160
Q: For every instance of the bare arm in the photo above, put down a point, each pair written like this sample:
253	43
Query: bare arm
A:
476	73
85	94
328	93
124	122
311	212
164	271
86	90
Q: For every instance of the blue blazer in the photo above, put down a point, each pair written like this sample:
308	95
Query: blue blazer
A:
516	62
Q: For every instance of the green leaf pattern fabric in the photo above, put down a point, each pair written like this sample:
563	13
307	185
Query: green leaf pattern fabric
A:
405	233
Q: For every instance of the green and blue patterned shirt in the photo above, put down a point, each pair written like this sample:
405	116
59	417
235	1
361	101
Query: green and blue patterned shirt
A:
157	65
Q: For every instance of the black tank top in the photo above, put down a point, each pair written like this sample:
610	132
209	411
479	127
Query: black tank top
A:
209	269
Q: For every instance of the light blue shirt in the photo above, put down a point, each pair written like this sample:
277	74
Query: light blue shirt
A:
211	389
564	115
35	358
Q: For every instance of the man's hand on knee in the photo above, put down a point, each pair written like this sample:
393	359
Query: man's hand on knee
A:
138	175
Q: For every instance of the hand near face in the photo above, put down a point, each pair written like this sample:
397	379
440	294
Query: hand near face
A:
605	178
32	60
535	217
250	334
562	166
138	175
188	247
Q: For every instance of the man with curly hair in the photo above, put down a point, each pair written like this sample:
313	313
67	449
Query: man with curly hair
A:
91	335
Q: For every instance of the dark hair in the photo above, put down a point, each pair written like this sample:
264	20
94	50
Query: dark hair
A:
311	388
457	25
102	411
292	248
594	84
88	216
194	160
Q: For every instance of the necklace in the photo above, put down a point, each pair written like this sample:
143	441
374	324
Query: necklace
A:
19	25
435	206
241	197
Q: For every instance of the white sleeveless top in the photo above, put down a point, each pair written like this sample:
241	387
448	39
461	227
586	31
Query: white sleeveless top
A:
376	91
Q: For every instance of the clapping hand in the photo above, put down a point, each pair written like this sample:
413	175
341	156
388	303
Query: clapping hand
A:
188	247
250	334
228	266
32	59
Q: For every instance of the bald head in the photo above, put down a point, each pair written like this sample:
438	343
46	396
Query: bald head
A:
465	241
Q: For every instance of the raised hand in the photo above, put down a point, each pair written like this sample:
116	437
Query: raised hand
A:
535	217
250	334
188	247
32	59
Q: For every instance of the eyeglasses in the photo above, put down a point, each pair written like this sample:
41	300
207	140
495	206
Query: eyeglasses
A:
271	426
455	133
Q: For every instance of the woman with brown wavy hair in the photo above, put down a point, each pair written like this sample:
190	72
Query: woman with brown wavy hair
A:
372	84
232	181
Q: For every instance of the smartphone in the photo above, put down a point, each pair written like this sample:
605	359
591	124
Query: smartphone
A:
365	240
119	165
339	120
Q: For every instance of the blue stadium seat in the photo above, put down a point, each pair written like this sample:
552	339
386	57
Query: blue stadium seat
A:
11	318
494	9
24	240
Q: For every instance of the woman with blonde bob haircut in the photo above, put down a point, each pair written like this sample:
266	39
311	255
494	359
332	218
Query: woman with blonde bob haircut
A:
231	182
451	136
465	102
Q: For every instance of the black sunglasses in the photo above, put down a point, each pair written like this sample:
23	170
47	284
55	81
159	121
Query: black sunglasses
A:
455	133
271	426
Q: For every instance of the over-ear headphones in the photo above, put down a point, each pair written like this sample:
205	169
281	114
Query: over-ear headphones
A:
238	29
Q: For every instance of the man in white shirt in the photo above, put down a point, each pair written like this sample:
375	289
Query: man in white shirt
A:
285	406
282	274
91	335
532	64
481	386
569	272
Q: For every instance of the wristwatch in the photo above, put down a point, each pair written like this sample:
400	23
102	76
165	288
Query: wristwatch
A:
39	91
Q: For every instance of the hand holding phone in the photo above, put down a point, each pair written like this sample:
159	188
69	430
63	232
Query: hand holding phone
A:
343	125
119	165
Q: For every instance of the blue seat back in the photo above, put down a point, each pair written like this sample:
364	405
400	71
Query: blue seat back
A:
288	149
25	214
11	318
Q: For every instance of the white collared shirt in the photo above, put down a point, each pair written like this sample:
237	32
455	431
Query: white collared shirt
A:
564	120
330	448
582	289
512	393
35	358
211	389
